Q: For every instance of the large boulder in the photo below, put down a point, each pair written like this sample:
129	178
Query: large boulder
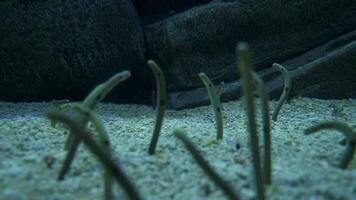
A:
62	49
327	71
203	39
155	10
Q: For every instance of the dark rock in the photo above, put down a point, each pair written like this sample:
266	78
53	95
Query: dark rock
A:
182	5
327	71
155	10
62	49
335	73
203	39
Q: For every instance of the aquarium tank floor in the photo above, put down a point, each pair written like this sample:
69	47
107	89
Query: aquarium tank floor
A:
32	152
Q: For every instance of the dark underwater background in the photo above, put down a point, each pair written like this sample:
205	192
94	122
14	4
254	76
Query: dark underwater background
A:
178	99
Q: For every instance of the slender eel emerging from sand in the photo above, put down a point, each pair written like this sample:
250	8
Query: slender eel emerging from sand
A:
99	151
347	131
267	164
286	89
161	103
181	135
98	94
215	102
100	91
105	142
245	67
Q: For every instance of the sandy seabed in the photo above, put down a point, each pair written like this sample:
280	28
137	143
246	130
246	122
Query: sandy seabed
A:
31	153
